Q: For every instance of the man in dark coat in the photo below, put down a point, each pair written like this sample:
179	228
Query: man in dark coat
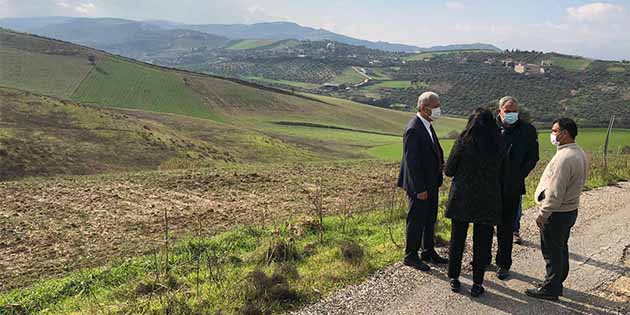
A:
521	140
421	177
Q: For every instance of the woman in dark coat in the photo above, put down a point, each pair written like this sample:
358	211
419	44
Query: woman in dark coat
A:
475	163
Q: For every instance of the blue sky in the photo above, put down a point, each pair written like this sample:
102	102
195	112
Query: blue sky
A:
599	29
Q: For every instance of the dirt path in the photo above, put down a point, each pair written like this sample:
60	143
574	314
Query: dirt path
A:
598	282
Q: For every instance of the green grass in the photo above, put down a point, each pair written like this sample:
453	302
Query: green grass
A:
225	285
119	83
390	85
379	74
283	44
304	85
393	151
394	84
591	140
41	73
616	69
570	64
424	55
348	76
251	44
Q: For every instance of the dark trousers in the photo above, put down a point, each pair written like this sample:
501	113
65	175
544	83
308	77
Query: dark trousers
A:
554	239
482	247
505	230
516	226
421	219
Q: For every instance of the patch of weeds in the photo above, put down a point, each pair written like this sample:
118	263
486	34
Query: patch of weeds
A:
352	252
264	292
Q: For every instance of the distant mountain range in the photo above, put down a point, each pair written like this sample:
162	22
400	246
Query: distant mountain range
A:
111	33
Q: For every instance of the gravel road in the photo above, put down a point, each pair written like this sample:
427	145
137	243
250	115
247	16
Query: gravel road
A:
600	256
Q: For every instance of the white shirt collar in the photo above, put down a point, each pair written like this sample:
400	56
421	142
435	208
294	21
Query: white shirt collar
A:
427	125
424	121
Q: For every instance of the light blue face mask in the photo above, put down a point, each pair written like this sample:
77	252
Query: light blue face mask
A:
510	118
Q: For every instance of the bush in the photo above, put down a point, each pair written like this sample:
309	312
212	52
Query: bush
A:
282	250
351	252
262	292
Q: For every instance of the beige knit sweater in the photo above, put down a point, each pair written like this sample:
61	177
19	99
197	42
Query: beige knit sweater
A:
562	181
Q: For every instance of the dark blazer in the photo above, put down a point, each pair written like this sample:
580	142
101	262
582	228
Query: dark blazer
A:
521	141
475	194
422	160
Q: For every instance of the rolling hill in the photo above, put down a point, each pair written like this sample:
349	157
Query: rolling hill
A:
63	115
132	39
108	33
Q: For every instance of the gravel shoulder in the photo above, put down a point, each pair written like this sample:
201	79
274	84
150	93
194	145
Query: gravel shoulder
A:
597	283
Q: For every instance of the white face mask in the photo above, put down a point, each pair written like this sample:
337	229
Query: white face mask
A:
436	113
554	139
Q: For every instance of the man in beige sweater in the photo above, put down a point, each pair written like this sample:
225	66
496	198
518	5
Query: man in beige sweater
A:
558	198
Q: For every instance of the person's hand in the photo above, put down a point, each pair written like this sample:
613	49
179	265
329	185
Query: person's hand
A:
540	221
423	195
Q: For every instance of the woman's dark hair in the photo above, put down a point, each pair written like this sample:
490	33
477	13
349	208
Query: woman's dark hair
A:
482	132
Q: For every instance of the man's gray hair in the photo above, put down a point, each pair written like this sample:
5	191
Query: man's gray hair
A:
506	99
426	97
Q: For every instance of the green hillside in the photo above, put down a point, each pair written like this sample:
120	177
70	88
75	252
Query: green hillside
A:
120	83
42	73
166	118
251	44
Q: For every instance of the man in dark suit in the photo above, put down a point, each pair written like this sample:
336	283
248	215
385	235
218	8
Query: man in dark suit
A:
421	177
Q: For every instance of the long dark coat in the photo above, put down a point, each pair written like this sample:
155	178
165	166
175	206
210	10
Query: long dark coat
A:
475	194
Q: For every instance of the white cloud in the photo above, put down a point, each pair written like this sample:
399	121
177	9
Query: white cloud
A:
453	5
594	11
63	4
85	8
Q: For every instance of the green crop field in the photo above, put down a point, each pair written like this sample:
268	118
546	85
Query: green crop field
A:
348	76
616	69
389	85
592	140
251	44
304	85
42	73
119	83
379	74
571	64
422	56
393	151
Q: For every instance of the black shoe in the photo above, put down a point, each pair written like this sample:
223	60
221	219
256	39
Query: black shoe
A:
539	285
416	264
517	238
434	258
476	290
541	294
455	285
503	273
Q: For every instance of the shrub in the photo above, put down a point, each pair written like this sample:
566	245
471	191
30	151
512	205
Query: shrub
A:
351	252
